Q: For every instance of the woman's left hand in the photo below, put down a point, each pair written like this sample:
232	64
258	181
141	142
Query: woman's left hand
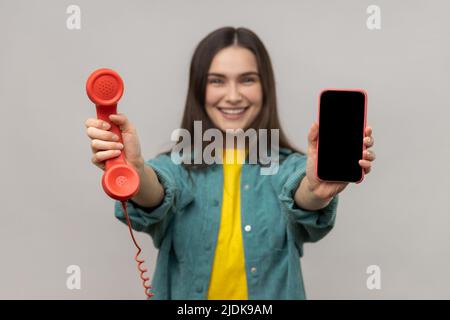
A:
327	190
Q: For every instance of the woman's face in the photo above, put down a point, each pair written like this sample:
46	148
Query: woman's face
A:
233	90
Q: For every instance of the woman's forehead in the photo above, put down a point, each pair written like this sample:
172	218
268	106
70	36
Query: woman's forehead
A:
233	61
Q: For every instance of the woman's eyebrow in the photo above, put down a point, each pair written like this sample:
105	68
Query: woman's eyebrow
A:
221	75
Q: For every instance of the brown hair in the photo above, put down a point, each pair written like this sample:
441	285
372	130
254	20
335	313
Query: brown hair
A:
199	67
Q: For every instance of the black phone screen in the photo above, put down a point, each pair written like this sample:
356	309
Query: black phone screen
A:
341	134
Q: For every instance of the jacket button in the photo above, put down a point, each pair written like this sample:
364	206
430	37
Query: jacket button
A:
215	203
253	270
248	228
246	187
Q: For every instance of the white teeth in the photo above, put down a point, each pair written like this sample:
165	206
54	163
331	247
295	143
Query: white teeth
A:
233	111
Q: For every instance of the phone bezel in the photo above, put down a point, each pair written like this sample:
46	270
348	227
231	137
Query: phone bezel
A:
364	92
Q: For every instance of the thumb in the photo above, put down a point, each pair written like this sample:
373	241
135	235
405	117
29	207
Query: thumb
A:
313	134
121	121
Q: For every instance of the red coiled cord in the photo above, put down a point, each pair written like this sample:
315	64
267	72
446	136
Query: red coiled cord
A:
142	271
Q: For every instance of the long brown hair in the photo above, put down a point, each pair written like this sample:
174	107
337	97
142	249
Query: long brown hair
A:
199	67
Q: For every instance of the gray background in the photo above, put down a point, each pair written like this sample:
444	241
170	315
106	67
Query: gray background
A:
55	214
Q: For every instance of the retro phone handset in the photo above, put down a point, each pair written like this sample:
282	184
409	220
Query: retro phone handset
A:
120	180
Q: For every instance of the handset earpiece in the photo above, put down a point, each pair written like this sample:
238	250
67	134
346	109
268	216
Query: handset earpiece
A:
104	88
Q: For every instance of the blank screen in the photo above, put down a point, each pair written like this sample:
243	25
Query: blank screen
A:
341	133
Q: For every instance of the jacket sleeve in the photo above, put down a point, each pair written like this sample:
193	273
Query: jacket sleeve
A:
308	225
156	220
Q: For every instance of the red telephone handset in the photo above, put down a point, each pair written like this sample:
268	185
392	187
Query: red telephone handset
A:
120	180
105	88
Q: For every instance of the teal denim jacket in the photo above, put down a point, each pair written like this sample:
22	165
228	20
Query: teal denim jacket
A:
185	227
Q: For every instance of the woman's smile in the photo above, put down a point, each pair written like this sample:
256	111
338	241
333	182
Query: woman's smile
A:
233	113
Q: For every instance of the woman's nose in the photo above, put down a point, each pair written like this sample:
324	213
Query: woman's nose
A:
233	95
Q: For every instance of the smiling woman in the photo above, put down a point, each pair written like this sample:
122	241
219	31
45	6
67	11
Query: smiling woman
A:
226	231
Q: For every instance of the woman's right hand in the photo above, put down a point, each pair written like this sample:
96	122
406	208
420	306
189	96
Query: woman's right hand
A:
104	146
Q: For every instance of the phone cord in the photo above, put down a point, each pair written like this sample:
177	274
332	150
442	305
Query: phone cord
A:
139	261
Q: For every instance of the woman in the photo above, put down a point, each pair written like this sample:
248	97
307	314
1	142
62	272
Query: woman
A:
225	231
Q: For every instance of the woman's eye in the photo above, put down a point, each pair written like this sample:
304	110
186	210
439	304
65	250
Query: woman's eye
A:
248	80
215	81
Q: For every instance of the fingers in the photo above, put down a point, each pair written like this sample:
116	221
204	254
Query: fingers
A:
97	123
95	133
313	133
366	165
369	155
98	129
100	157
122	121
98	145
368	140
366	162
104	143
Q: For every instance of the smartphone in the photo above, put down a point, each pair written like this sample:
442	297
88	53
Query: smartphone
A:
340	146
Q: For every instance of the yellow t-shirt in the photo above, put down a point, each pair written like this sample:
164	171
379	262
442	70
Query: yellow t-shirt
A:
228	278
